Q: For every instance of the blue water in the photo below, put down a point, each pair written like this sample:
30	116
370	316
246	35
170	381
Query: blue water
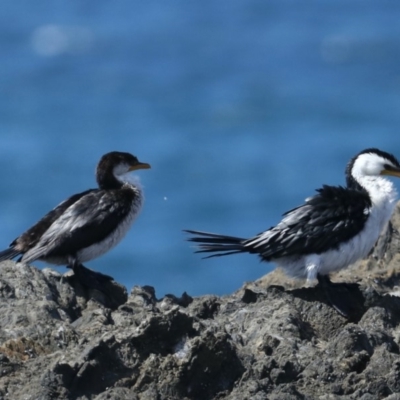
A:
242	108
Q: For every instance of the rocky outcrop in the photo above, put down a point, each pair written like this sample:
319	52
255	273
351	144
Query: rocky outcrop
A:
272	339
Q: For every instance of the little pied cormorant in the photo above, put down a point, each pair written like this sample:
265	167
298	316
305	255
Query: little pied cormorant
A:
87	224
331	230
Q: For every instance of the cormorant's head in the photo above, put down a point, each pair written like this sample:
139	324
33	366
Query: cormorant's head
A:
113	168
371	162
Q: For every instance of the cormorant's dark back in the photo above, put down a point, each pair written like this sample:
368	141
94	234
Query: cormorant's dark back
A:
87	224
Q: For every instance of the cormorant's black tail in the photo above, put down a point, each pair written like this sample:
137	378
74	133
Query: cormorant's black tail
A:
9	253
222	245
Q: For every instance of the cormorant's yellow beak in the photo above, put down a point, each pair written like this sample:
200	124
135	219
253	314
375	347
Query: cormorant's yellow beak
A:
391	171
139	165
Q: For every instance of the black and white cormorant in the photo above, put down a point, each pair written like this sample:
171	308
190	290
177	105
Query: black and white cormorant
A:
331	230
88	224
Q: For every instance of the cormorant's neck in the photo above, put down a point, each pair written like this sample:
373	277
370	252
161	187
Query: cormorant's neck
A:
353	183
378	188
107	180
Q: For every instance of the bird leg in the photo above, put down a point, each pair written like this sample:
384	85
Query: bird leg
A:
338	295
89	278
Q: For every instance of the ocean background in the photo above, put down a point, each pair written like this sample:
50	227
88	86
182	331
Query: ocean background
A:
243	109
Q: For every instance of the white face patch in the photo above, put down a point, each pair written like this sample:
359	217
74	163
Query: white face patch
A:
122	174
369	164
120	169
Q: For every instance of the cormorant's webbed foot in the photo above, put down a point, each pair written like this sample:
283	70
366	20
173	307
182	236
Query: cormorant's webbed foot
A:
339	296
89	278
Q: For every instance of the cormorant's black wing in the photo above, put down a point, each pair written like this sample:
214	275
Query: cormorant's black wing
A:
333	216
31	237
88	221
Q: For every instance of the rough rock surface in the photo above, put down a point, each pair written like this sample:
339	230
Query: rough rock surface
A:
271	339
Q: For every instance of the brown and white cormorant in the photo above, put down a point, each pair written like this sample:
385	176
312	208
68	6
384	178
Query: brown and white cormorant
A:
331	230
88	224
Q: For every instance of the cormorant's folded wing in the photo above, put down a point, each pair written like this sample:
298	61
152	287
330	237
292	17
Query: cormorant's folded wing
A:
87	221
326	220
